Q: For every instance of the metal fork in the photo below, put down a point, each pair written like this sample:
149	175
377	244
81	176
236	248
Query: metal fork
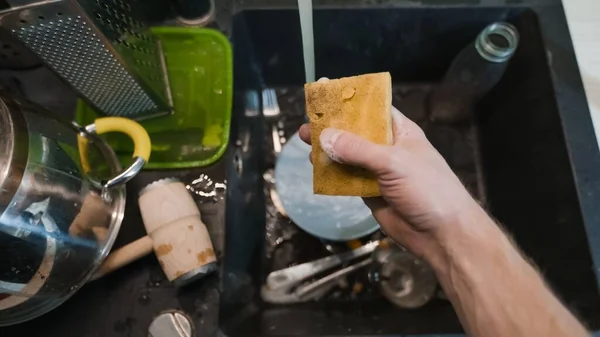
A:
284	286
271	113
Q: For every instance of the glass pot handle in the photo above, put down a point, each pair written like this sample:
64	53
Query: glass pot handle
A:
141	144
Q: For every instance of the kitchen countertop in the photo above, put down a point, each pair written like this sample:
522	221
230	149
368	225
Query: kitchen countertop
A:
124	303
584	22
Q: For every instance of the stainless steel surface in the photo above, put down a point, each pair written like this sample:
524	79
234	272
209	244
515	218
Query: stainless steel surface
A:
270	105
280	284
165	74
14	55
127	174
406	281
13	153
18	3
311	291
199	21
100	49
53	220
303	291
171	324
492	51
252	104
195	274
271	112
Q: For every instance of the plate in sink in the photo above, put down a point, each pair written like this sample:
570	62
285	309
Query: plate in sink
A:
328	217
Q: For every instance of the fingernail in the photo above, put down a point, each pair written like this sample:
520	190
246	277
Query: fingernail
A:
328	138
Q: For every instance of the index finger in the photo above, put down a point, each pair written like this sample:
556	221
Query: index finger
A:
304	133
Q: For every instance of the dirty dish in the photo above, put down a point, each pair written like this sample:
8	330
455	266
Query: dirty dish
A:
329	217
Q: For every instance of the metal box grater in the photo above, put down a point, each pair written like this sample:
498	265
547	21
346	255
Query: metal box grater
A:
99	49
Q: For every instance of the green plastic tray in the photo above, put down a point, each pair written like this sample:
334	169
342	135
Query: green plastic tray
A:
199	65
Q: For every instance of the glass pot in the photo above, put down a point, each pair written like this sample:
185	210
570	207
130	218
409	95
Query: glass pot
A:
62	199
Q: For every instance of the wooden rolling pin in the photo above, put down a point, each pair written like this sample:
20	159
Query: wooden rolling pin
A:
176	233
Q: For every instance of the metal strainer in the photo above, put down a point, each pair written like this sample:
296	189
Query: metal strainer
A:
99	49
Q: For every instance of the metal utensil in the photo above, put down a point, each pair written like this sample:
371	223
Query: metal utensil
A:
271	112
282	286
194	13
310	288
405	280
171	324
100	49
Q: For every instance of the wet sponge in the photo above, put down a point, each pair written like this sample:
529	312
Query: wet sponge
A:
358	104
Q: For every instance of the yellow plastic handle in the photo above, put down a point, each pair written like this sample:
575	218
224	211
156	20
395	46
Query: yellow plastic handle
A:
137	133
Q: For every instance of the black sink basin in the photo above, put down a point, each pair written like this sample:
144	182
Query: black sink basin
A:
525	172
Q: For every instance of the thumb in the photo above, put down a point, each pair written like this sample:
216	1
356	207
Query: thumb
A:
348	148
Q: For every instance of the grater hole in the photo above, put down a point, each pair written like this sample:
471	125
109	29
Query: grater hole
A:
41	17
68	46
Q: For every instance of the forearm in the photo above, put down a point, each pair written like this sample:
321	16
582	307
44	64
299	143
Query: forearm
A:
495	292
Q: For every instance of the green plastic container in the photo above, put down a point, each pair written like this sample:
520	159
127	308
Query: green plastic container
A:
199	64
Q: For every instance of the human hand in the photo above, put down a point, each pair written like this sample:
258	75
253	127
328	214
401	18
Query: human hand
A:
421	197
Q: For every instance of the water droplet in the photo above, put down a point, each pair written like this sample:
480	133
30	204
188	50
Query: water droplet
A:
144	298
13	268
